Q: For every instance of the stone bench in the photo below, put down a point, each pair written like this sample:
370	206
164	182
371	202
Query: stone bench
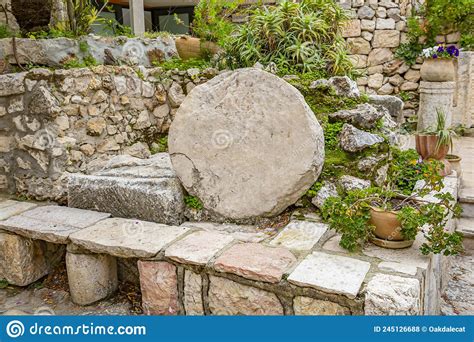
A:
222	269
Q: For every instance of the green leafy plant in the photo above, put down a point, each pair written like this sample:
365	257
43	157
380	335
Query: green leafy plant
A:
3	284
180	64
5	32
193	202
298	37
445	134
350	215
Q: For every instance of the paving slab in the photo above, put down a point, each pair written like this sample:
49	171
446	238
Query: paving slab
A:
51	223
398	267
331	273
198	248
255	261
466	226
300	235
245	233
126	238
10	208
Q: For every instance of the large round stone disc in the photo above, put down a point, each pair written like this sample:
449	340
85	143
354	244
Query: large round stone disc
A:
247	144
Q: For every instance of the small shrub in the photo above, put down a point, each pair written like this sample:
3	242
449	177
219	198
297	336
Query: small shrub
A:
193	202
180	64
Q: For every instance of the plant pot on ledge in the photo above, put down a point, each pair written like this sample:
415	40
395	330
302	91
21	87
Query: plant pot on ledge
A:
438	70
455	162
427	147
387	229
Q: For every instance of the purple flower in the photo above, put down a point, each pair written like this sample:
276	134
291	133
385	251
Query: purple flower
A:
435	56
440	49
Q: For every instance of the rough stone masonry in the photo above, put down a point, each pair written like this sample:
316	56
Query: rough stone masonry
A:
247	144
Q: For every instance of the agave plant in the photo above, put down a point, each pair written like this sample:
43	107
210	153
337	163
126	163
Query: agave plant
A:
445	134
299	37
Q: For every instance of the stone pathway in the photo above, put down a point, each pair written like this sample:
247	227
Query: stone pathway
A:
458	298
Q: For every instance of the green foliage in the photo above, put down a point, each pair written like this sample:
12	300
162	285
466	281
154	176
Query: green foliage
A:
117	29
157	34
331	131
405	170
193	202
5	32
350	216
212	19
51	33
437	17
181	64
313	191
3	284
86	62
298	37
81	15
161	145
445	134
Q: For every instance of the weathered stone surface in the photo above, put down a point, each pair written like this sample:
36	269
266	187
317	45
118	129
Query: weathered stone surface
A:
53	52
367	25
386	38
146	189
331	273
359	62
386	89
23	261
412	75
433	96
317	307
363	116
52	223
344	86
255	261
10	208
198	248
300	236
349	183
354	140
230	298
358	46
245	233
176	95
12	84
159	287
392	103
351	29
328	190
138	150
193	294
91	277
224	121
385	24
375	81
379	56
398	267
365	12
127	238
392	295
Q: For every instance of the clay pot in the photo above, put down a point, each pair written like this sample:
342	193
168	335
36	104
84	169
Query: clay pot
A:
438	70
455	162
190	47
426	148
387	225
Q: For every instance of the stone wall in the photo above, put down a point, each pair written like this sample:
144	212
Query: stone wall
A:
55	122
376	30
11	20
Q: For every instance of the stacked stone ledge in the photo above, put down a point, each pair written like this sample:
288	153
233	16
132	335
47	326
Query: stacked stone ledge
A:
184	269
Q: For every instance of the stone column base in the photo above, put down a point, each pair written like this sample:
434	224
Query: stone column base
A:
435	96
91	277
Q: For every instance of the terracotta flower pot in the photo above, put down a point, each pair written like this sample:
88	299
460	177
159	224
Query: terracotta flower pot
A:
387	229
438	70
190	47
455	162
426	148
387	225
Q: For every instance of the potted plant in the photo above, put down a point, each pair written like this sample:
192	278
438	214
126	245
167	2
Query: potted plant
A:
211	26
455	162
438	63
390	219
434	143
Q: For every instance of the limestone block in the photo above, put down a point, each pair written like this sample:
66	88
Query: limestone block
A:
379	56
224	120
91	277
331	273
145	189
193	304
255	261
386	39
159	286
358	46
317	307
353	139
300	236
127	238
198	248
230	298
392	295
352	29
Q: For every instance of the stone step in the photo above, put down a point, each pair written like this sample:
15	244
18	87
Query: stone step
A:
128	187
466	226
51	223
466	200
